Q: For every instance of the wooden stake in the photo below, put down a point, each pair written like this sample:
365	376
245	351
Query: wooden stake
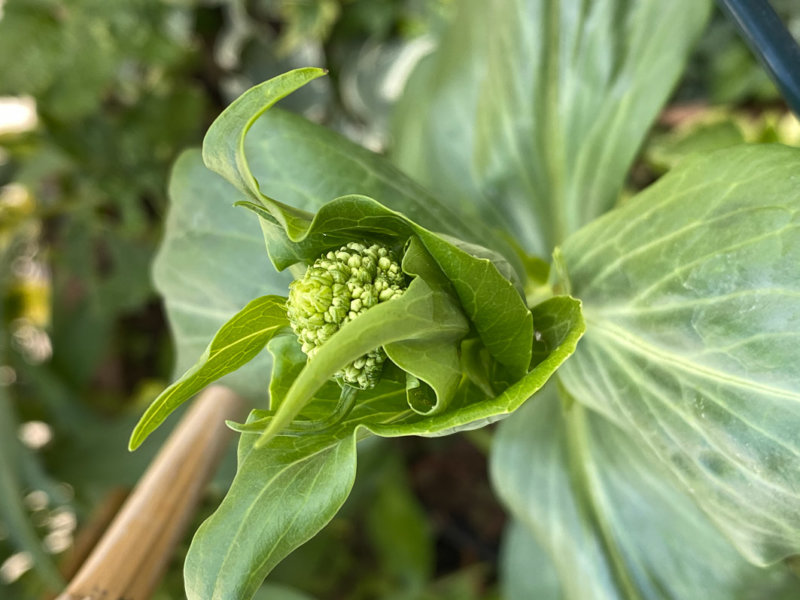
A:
130	559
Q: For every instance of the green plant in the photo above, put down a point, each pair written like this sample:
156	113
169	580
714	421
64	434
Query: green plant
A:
655	453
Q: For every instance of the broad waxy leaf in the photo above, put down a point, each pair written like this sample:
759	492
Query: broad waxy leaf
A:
691	294
598	505
531	112
281	142
282	495
235	344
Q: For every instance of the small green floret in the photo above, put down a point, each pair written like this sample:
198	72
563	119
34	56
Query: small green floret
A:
337	288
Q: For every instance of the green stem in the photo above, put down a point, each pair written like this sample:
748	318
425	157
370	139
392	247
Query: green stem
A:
585	487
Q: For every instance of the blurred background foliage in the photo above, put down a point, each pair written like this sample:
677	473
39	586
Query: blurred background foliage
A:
97	97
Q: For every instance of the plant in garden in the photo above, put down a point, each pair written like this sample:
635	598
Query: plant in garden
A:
661	459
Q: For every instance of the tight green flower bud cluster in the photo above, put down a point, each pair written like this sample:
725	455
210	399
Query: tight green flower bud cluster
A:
336	289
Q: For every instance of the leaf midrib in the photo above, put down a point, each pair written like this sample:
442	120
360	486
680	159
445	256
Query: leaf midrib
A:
580	460
305	458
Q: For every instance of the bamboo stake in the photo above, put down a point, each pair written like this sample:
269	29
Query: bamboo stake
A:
130	559
92	531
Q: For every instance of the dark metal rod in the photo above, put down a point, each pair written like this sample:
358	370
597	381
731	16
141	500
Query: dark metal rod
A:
772	44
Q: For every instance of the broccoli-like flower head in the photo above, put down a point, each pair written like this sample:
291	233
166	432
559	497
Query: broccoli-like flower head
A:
337	288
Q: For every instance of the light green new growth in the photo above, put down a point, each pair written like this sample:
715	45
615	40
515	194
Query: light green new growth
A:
336	289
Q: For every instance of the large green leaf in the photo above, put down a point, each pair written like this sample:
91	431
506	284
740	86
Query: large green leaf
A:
602	507
211	264
533	110
303	165
692	302
282	495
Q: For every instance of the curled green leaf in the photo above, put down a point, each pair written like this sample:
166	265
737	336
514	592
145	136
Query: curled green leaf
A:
223	145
